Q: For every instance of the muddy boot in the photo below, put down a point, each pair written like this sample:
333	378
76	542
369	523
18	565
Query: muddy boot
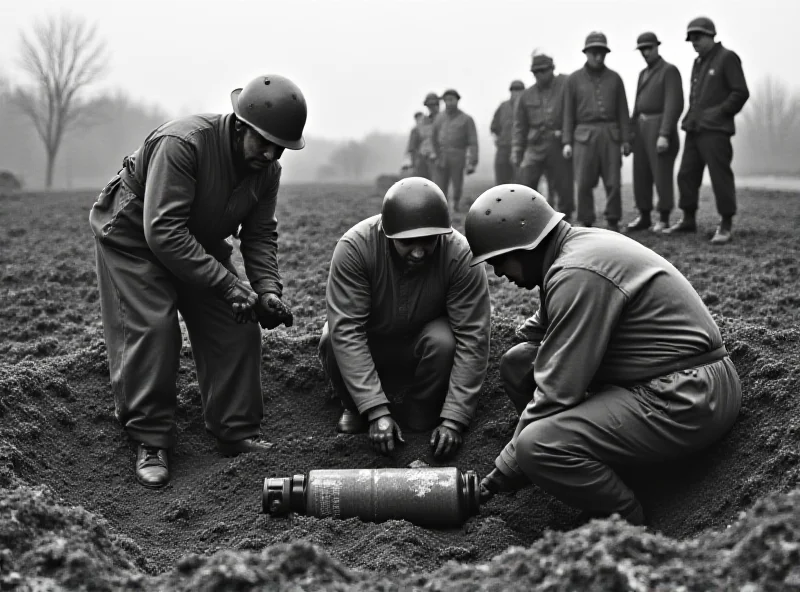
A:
351	422
642	222
152	466
662	224
686	224
244	446
723	233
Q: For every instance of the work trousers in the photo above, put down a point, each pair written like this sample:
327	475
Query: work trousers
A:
571	454
503	169
597	154
650	166
423	167
140	300
414	372
450	169
715	150
560	178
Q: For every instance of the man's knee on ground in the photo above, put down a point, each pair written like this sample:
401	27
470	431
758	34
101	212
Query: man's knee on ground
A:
516	364
539	448
438	342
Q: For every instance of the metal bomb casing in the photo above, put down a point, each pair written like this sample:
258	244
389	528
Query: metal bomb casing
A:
430	496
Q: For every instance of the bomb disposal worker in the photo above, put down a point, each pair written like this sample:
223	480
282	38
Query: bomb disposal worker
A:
502	124
596	130
622	364
405	309
658	105
160	227
718	92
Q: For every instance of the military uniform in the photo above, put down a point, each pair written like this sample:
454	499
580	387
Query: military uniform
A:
536	137
718	92
658	105
160	227
502	123
419	150
427	330
455	142
623	365
596	123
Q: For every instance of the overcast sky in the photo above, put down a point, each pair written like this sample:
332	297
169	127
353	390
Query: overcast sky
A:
366	65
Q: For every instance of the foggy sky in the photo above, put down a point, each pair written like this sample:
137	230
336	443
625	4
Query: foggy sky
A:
365	65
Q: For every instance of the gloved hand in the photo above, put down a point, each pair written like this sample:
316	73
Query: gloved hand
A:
662	144
626	149
242	299
498	482
382	432
271	311
566	151
446	439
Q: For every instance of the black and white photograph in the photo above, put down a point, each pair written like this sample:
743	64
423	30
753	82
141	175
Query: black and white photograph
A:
399	295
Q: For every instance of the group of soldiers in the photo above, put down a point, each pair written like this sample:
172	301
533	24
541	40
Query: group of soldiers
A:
622	364
575	130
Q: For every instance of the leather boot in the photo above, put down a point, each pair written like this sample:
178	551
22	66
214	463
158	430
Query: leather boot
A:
152	466
686	224
244	446
351	422
642	222
721	236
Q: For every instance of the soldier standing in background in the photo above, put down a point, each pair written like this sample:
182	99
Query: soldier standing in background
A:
718	92
658	105
412	148
502	123
597	128
420	154
455	142
536	135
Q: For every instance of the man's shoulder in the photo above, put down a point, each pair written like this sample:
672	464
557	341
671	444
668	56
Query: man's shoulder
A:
363	232
185	128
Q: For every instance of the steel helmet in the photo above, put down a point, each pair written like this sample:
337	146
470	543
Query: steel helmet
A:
507	218
273	106
702	24
415	207
596	40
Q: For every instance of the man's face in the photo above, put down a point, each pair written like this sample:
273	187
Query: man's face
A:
519	267
450	103
701	42
596	57
543	77
433	107
258	153
415	252
418	119
649	53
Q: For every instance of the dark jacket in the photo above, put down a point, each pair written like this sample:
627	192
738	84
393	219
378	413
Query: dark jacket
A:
718	92
595	98
539	115
185	198
660	91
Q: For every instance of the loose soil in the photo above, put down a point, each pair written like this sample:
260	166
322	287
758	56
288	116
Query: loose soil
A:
72	516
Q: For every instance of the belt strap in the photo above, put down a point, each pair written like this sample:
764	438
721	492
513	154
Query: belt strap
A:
715	355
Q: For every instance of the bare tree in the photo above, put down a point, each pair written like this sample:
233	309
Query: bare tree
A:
771	124
63	57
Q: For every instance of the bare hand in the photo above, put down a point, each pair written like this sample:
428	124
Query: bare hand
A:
445	440
516	158
567	151
662	144
271	311
470	169
626	149
382	432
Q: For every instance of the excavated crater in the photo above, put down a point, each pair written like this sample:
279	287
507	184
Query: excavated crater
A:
71	514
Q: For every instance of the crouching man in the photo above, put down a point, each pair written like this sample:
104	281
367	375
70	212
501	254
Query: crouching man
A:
405	309
622	364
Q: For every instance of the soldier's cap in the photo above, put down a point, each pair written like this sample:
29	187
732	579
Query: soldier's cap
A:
431	98
647	39
517	85
702	24
540	62
596	40
452	92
